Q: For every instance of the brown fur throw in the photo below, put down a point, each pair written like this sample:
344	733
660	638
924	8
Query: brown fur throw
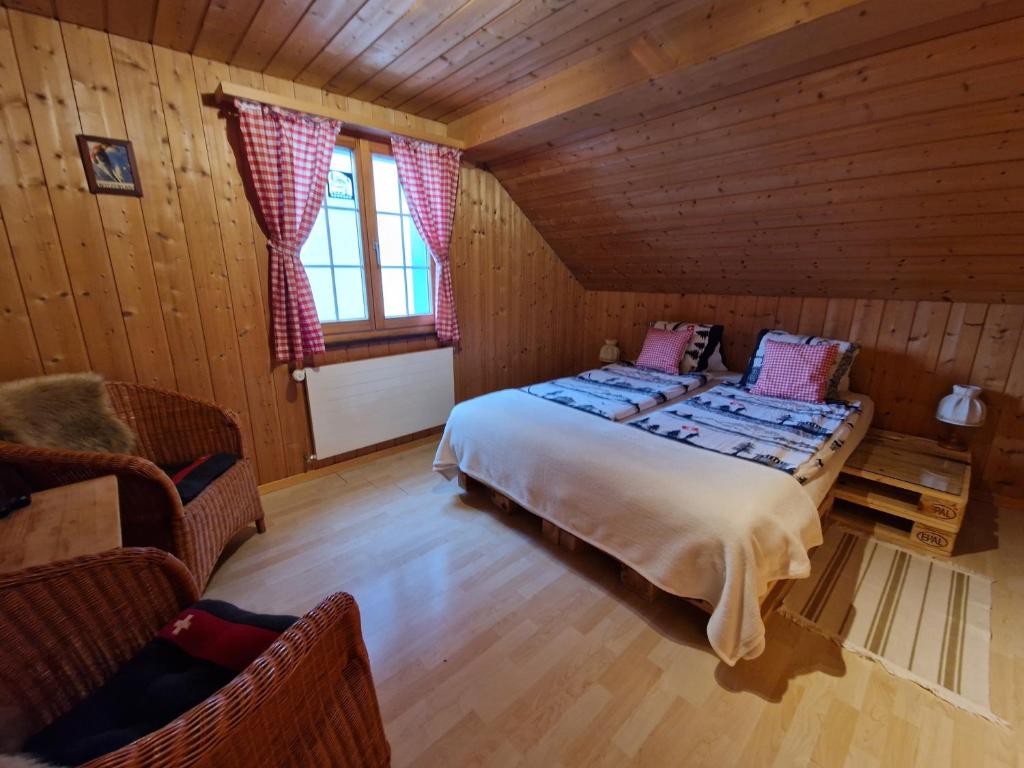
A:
70	411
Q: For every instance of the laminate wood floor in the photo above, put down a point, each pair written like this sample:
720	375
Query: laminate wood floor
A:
492	647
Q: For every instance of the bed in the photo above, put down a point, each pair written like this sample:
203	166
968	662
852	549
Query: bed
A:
696	523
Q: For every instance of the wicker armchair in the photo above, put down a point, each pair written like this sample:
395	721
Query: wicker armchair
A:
307	701
170	428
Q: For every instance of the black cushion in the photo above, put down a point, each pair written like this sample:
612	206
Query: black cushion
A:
749	370
192	658
192	477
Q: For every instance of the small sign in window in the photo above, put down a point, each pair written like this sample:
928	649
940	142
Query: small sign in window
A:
340	185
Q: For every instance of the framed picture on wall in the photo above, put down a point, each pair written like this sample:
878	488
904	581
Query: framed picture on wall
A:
110	166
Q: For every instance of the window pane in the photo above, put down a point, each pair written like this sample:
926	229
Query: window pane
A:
323	293
341	159
346	245
419	291
316	250
415	249
393	279
385	184
351	293
389	230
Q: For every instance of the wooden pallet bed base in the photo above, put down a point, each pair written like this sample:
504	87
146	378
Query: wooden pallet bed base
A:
631	578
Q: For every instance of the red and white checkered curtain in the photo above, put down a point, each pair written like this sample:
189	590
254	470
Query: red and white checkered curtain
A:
289	155
429	175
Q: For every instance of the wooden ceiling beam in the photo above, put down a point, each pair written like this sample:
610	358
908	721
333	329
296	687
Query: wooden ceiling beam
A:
711	51
369	118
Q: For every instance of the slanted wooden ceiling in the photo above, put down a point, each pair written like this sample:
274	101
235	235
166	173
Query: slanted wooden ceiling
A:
878	153
863	148
438	58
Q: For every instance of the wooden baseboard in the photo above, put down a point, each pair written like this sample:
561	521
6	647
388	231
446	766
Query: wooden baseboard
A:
333	467
376	448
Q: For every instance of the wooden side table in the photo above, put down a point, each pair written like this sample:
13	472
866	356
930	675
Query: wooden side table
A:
72	520
912	478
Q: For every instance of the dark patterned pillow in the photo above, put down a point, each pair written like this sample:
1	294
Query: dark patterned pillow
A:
706	340
839	375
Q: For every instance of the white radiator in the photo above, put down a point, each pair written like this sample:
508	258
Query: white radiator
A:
353	405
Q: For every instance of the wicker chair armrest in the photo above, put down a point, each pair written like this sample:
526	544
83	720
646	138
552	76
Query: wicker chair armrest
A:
308	700
148	498
172	427
68	626
51	467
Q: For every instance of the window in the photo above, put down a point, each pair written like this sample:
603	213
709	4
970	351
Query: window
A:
369	269
403	257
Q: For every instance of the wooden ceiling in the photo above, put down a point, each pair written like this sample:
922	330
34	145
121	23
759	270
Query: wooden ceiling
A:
440	59
859	160
863	148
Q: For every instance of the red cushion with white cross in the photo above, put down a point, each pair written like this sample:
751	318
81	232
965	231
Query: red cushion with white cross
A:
795	371
225	635
663	349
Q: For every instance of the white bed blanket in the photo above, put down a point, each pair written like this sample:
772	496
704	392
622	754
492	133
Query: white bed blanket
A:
695	523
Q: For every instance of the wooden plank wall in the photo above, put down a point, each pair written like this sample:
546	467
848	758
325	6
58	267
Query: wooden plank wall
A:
171	289
913	352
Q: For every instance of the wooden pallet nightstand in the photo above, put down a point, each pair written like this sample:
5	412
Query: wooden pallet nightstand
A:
912	478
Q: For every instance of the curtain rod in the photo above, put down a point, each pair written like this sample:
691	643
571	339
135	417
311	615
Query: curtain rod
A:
227	92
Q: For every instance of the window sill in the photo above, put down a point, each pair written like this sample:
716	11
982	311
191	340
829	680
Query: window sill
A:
340	339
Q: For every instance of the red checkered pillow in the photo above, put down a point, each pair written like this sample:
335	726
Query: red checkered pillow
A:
664	349
795	371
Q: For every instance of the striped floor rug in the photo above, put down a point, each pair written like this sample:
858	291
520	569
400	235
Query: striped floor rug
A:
922	618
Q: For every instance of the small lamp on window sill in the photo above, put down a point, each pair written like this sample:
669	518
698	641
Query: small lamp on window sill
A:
962	408
610	351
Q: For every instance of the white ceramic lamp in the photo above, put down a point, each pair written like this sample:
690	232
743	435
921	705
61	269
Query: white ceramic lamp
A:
962	408
610	351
